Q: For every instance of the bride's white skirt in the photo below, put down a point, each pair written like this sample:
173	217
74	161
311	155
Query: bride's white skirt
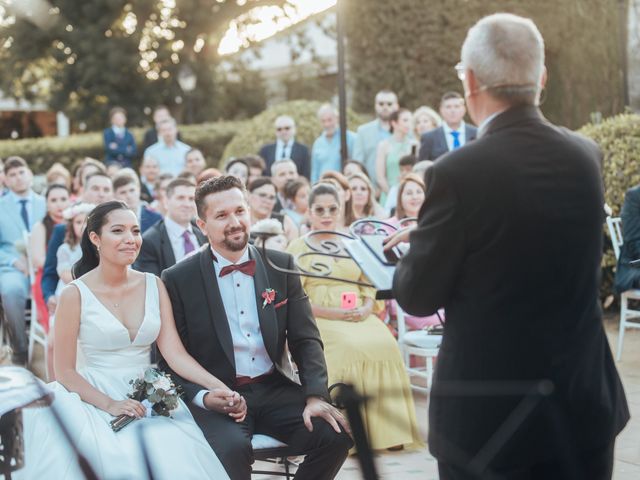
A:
176	447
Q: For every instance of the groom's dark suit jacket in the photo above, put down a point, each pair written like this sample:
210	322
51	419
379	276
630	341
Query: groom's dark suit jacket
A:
509	242
203	327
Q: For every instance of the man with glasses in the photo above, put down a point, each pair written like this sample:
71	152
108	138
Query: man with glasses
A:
453	133
369	135
509	242
286	147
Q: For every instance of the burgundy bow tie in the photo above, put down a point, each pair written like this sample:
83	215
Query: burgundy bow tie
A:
248	268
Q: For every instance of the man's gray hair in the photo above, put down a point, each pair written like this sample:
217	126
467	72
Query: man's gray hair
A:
327	108
506	54
285	118
282	161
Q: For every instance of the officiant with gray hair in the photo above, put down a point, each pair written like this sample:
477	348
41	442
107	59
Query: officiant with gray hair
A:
509	242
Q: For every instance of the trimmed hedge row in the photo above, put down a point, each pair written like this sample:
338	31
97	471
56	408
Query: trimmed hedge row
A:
41	153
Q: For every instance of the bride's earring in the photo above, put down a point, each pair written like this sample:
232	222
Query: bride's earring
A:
98	248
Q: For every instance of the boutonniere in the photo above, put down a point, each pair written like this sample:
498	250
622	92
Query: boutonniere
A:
269	295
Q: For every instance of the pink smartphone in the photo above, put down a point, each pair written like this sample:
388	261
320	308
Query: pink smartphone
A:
348	300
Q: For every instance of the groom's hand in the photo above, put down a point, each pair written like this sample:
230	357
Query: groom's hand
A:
317	407
226	401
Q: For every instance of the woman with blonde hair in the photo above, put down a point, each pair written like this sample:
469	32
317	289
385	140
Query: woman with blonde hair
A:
363	196
425	119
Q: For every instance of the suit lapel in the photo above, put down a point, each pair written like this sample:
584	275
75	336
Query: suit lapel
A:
168	257
266	315
444	146
216	307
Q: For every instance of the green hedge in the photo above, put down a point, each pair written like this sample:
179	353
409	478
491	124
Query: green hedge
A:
41	153
619	140
259	130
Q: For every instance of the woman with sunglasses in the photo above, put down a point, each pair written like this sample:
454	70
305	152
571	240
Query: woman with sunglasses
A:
262	200
358	347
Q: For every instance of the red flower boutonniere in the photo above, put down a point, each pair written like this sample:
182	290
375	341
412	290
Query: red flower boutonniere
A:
269	295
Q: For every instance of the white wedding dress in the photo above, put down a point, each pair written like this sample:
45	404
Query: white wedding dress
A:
176	447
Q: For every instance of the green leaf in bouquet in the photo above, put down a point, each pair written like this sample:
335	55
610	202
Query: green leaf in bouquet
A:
154	398
151	375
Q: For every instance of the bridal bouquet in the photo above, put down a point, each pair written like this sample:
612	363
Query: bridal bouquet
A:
156	391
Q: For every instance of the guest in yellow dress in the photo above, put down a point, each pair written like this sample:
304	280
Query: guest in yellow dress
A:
358	347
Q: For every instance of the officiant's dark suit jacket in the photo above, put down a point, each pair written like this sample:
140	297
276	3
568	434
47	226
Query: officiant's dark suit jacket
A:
203	327
509	242
156	253
433	144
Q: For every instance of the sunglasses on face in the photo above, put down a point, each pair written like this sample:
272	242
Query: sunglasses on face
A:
266	196
279	129
322	211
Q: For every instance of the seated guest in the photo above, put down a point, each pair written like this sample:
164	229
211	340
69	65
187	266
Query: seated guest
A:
275	240
168	150
262	199
160	189
98	188
256	166
88	166
160	114
325	153
58	174
119	144
3	188
353	166
195	162
628	277
238	168
405	164
187	175
296	194
126	188
347	217
358	347
286	147
281	172
364	202
452	134
176	237
149	171
425	119
70	252
207	174
21	208
57	198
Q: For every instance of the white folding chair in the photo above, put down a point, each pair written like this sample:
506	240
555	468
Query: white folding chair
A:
614	224
420	344
37	333
268	449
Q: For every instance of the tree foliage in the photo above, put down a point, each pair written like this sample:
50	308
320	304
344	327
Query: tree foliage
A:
412	47
83	57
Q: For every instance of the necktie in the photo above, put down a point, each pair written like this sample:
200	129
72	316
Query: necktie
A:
188	244
248	268
456	139
24	214
284	151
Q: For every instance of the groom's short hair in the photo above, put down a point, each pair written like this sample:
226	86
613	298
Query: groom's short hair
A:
215	185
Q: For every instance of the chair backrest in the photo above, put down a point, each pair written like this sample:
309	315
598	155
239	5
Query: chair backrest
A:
614	224
402	326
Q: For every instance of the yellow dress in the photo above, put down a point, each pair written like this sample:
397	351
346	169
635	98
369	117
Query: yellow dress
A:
363	354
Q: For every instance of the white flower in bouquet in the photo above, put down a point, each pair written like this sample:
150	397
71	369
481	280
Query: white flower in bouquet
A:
162	383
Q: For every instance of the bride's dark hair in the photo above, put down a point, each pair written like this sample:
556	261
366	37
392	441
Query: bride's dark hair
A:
95	221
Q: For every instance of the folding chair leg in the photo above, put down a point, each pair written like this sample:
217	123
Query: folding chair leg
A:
623	323
429	362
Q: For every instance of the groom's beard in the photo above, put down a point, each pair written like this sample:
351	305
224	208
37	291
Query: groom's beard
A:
235	245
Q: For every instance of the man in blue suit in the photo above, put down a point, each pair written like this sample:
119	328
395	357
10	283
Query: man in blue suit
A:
126	188
119	144
286	147
452	134
21	208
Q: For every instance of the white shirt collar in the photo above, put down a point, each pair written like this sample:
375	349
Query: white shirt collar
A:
447	129
290	143
174	230
17	198
223	262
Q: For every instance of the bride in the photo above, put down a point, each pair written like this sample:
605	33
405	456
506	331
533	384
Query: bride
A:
114	314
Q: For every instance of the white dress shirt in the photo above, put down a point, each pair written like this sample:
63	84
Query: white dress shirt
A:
175	232
239	300
447	134
29	205
287	150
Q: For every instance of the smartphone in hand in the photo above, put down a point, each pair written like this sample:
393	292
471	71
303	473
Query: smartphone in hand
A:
348	300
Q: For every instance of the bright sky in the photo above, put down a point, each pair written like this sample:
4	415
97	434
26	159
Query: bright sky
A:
269	21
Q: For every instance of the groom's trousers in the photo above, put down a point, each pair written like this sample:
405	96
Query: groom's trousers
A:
274	408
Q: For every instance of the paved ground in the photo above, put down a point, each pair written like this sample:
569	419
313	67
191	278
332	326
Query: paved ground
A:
421	465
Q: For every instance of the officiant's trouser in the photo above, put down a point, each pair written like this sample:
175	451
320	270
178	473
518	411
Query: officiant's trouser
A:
275	408
594	464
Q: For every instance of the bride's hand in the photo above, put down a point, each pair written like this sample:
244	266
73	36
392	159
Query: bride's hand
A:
130	407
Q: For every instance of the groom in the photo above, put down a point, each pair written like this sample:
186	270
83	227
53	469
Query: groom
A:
235	315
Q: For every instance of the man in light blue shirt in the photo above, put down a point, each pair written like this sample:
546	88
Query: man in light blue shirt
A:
371	134
325	154
168	150
21	208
